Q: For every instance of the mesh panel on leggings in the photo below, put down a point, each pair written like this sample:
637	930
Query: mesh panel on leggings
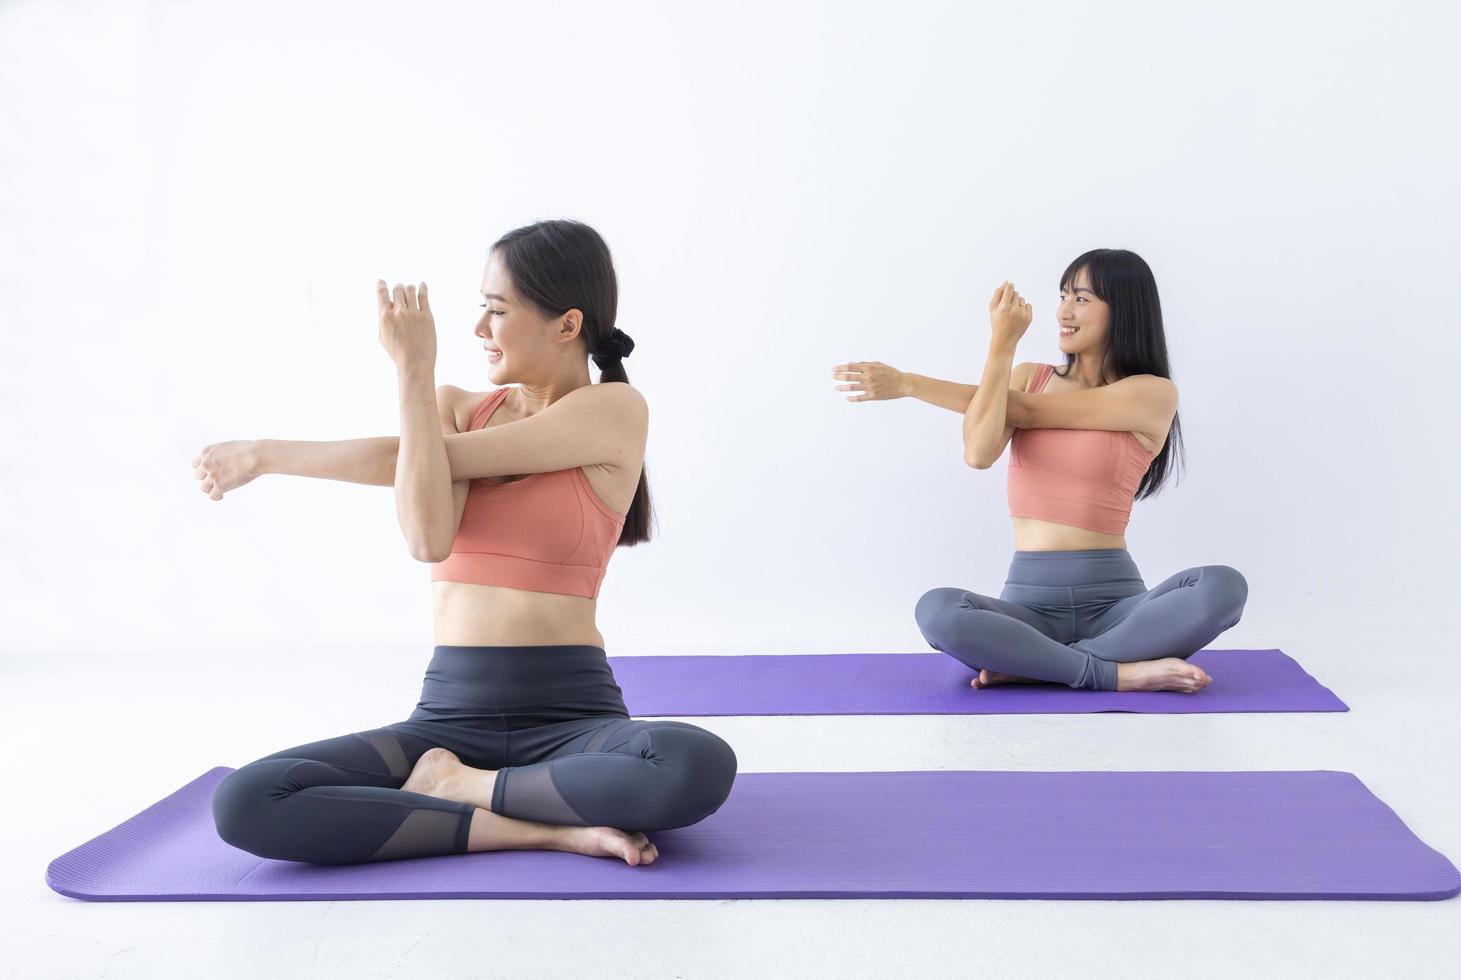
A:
423	832
530	795
390	751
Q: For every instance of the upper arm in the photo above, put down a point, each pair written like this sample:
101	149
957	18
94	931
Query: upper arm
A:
604	423
1140	403
1019	380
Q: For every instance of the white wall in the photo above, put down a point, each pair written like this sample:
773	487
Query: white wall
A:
198	199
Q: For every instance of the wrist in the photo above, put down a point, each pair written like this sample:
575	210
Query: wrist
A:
260	457
907	384
417	373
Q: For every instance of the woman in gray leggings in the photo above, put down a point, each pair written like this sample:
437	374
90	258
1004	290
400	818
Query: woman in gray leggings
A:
1085	443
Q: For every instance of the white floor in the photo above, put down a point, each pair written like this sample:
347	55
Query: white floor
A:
99	736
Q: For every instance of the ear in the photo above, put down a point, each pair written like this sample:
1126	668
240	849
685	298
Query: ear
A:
570	325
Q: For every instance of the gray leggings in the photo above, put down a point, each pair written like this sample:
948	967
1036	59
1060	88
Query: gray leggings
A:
1071	616
549	719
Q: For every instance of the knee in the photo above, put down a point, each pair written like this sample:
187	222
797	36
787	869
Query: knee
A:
700	768
240	806
1227	592
932	609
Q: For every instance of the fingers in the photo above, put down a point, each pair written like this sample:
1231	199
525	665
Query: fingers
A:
408	297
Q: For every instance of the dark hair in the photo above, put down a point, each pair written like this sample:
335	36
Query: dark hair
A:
1135	341
565	265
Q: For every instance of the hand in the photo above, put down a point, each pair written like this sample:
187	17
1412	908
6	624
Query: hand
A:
875	380
1009	314
407	328
225	466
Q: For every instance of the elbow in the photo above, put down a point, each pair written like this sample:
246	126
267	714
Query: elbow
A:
977	461
428	551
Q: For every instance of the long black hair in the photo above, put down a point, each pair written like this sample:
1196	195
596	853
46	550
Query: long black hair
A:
565	265
1135	341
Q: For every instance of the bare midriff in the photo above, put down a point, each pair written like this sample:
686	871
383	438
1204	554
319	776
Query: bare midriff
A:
1033	534
471	615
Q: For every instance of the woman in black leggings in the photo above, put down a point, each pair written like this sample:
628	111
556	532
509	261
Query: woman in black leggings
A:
520	738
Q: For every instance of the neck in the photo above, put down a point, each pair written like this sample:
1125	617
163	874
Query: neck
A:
535	395
1087	368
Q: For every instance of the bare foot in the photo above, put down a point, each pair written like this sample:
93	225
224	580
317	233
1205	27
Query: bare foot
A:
990	678
1168	674
433	774
441	774
634	848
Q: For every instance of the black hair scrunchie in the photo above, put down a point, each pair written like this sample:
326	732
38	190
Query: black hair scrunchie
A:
620	345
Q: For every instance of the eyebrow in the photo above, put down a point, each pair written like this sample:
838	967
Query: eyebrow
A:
1079	289
494	296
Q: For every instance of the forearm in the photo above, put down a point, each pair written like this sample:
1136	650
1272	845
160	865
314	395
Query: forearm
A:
943	394
371	460
423	471
956	397
986	417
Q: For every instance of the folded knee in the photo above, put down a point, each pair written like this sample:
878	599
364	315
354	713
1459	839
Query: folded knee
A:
699	768
933	608
1227	591
241	803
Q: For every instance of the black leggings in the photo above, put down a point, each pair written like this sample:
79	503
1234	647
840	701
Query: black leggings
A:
551	721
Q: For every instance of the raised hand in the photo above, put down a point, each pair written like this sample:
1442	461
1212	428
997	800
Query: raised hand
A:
225	466
407	328
1009	315
873	380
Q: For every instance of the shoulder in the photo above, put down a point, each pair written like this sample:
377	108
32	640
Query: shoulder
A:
1021	374
450	402
618	397
456	405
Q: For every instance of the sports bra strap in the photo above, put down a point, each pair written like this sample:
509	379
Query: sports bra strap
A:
1042	377
486	407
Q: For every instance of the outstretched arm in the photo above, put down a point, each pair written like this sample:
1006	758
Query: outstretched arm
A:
876	381
225	466
371	460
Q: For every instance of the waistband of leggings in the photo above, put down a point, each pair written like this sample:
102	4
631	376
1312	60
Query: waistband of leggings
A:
1091	566
516	676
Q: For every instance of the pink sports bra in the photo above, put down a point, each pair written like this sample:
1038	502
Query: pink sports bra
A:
545	532
1082	477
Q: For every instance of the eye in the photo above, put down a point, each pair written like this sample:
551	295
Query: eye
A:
492	312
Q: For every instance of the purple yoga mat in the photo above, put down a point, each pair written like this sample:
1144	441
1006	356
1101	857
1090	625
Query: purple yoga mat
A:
1114	835
937	684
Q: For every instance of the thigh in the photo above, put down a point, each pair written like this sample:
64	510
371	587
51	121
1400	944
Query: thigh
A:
380	756
541	743
1177	618
1037	611
1122	609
